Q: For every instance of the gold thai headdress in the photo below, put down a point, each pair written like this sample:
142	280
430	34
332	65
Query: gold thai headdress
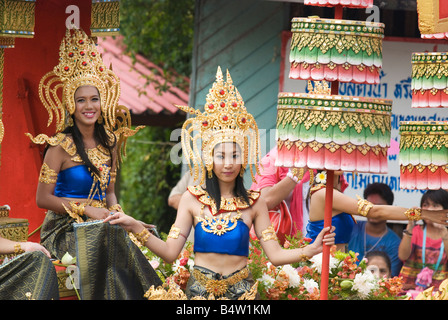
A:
80	63
225	119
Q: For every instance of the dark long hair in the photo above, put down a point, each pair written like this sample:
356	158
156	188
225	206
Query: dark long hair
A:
100	136
212	187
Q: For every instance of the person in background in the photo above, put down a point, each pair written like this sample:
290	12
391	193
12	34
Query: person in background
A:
424	248
344	207
285	192
379	264
179	189
374	234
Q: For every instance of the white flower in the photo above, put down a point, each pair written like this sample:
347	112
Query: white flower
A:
176	266
293	276
317	262
68	259
310	285
364	283
267	280
190	263
321	177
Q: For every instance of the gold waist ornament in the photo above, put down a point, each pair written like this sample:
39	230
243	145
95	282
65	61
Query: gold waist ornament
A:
219	287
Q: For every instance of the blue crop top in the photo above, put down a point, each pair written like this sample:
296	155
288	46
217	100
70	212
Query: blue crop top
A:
76	182
234	242
212	236
344	225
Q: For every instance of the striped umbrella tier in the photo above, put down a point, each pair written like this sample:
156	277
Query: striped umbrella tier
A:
345	3
333	132
336	50
423	155
429	79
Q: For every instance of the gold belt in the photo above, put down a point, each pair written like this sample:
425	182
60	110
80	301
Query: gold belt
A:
219	287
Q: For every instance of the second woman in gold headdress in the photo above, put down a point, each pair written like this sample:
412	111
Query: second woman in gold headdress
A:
220	143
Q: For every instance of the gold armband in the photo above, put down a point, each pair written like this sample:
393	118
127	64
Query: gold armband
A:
113	176
364	206
174	232
269	234
116	207
413	214
304	257
143	236
47	175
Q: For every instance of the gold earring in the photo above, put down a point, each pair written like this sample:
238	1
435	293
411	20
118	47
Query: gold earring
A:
100	119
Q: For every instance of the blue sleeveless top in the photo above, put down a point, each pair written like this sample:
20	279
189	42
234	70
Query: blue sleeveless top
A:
233	241
344	225
76	182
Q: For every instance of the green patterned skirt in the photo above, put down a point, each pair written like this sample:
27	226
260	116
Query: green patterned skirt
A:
110	265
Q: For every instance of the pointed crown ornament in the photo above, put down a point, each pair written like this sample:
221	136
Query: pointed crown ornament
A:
225	119
81	64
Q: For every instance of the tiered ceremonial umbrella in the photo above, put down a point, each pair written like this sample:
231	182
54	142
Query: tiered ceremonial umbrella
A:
336	50
345	3
429	79
321	129
423	153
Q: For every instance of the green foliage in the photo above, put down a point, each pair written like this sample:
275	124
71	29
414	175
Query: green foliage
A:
162	31
147	176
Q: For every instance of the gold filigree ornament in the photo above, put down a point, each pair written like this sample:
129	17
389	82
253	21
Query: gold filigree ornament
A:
220	224
225	119
47	175
81	64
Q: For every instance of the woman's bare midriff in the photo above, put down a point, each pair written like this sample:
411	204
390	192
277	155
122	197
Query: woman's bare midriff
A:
220	263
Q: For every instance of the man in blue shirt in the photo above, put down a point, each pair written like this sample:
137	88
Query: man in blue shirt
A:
374	234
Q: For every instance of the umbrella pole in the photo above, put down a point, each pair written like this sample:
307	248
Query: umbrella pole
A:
327	223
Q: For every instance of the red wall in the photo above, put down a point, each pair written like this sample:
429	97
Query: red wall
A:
24	66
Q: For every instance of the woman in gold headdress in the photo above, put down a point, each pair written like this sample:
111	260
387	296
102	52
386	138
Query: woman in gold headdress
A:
222	212
77	178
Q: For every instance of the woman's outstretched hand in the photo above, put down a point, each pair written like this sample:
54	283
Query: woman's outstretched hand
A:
127	222
325	237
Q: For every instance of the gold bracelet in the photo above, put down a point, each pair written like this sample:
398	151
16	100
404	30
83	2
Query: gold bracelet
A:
296	174
304	257
76	210
18	249
116	207
364	206
413	214
143	236
78	207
